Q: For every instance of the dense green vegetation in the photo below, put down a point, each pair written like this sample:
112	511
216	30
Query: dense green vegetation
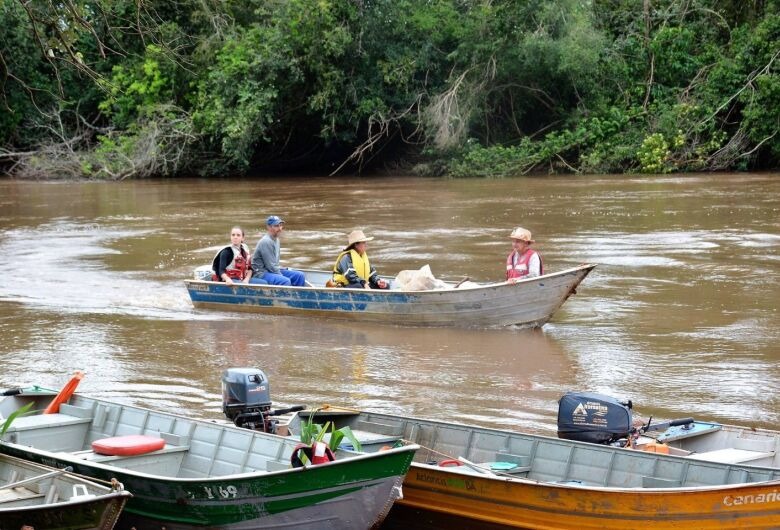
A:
133	88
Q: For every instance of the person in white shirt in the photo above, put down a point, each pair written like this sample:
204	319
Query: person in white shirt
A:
523	261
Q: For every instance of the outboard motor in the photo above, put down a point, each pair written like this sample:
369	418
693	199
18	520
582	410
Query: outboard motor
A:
594	418
246	400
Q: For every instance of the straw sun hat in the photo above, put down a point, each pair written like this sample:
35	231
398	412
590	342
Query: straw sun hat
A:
522	234
357	236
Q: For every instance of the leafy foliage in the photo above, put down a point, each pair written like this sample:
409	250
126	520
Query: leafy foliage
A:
11	417
314	432
485	88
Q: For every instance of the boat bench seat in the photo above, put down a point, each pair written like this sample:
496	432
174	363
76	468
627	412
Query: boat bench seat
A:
500	467
655	482
379	428
754	444
92	456
19	495
40	421
731	455
522	464
372	438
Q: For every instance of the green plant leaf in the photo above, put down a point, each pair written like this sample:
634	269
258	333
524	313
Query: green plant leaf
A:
347	433
9	420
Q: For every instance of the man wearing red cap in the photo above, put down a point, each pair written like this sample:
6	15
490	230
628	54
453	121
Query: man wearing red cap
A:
523	261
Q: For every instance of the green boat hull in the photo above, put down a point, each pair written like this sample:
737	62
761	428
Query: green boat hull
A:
210	476
317	497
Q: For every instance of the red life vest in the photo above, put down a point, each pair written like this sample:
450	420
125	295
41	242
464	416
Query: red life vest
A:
236	269
520	269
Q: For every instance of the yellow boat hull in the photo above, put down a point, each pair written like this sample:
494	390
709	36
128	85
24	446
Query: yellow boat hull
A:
528	504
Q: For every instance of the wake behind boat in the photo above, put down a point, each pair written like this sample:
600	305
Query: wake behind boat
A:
529	302
187	474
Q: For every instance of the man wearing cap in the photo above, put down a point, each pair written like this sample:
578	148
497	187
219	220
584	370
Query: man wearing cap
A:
265	260
352	268
523	261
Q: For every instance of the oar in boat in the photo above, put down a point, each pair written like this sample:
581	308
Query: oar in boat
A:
65	393
36	478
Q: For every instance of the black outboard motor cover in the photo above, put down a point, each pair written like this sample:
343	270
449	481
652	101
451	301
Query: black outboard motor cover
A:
594	418
244	390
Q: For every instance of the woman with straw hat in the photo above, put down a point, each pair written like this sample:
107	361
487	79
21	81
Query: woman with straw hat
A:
523	261
353	269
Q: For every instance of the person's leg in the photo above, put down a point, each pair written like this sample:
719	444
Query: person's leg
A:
297	278
257	281
275	279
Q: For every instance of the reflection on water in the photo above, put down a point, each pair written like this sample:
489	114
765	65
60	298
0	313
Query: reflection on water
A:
680	316
475	375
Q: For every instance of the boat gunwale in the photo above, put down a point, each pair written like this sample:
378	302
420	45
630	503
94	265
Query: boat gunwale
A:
498	476
276	440
388	292
503	477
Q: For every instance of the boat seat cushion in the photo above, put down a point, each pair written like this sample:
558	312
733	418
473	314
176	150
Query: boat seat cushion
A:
135	444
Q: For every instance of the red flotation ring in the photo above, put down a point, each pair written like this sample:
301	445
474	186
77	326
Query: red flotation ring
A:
135	444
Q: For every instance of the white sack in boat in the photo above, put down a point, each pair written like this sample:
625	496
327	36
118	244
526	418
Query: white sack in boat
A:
418	280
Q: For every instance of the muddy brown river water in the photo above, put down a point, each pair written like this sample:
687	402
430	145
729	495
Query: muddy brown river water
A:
681	314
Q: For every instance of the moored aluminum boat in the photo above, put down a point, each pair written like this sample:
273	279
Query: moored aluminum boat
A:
528	303
539	482
203	474
598	418
42	497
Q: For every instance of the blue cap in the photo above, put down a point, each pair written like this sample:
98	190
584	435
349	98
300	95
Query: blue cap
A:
274	220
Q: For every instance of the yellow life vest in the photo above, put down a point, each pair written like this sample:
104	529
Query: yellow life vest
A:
359	263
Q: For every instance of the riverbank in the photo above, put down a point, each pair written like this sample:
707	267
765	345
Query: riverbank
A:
432	89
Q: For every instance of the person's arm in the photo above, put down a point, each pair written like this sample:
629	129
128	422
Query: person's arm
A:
248	269
375	281
225	257
268	255
257	260
534	265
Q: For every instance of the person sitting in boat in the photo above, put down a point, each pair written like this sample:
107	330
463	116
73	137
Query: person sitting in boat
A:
265	259
523	261
232	263
352	268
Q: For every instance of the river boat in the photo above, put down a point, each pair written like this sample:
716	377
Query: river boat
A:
598	418
538	482
188	474
47	498
719	442
527	303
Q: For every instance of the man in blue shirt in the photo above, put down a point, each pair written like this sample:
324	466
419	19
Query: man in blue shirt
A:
265	260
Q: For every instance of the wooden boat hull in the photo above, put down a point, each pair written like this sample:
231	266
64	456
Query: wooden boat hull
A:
559	484
527	303
218	478
49	503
